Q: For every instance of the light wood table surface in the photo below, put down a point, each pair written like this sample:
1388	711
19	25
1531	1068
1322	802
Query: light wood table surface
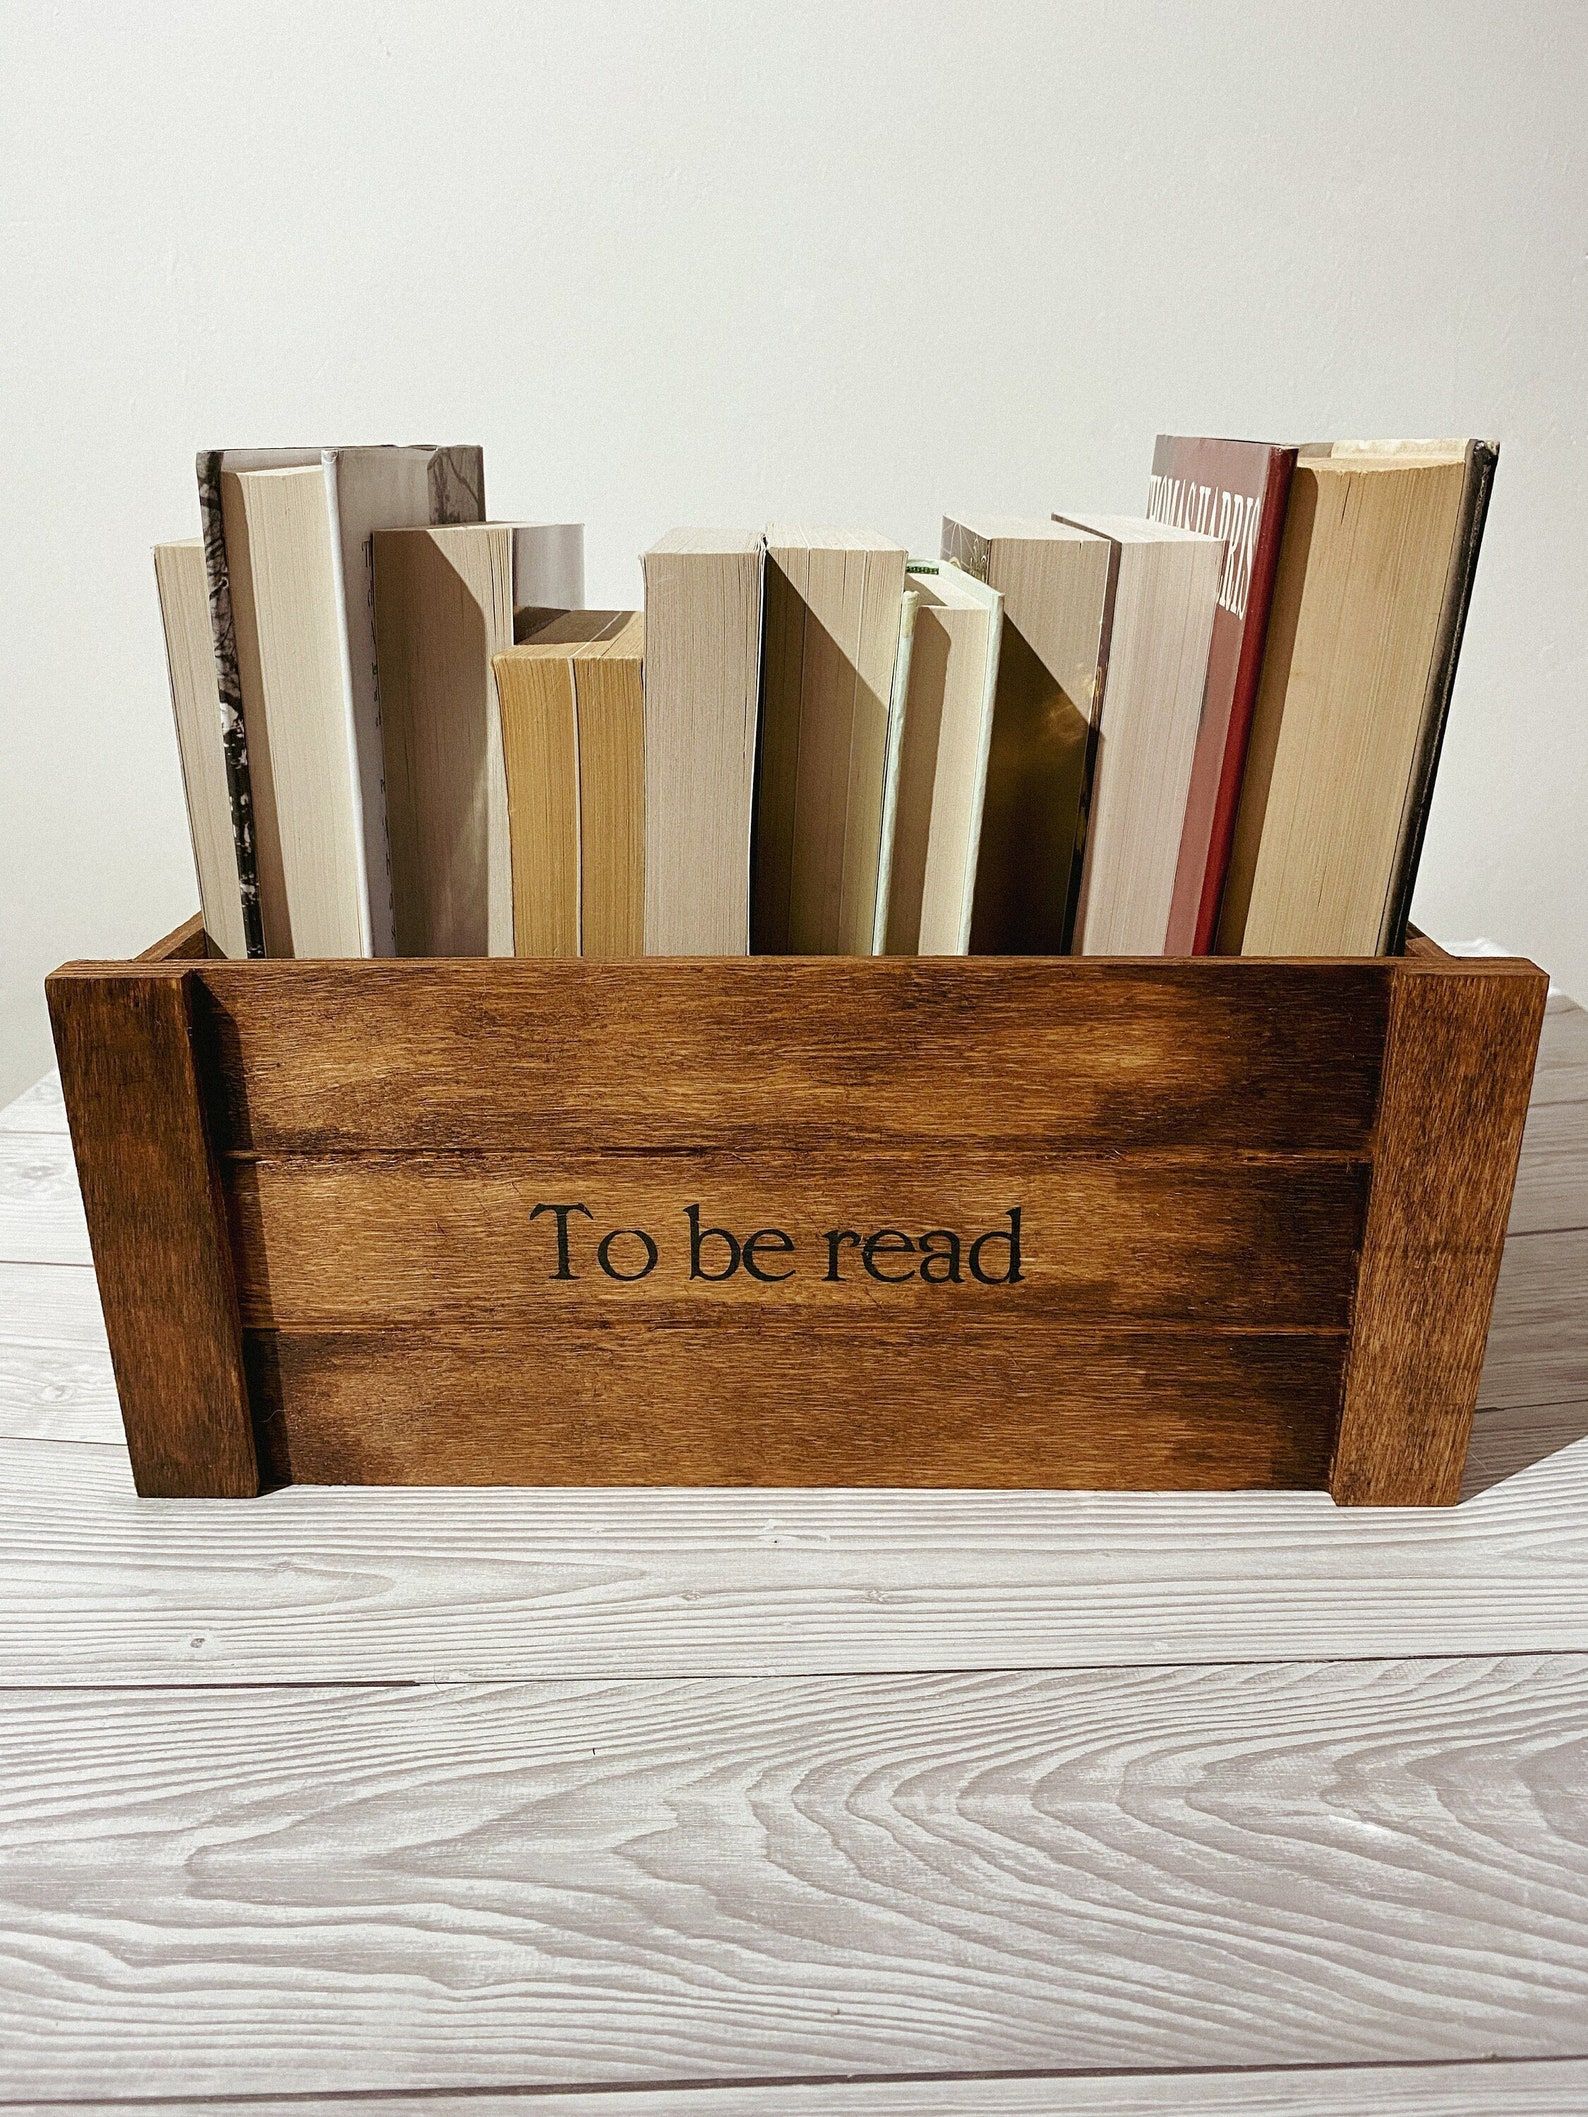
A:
828	1802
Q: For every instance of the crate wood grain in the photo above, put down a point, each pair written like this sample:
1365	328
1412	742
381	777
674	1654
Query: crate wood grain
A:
1164	1225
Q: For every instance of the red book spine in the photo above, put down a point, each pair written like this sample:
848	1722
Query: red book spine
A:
1237	490
1243	704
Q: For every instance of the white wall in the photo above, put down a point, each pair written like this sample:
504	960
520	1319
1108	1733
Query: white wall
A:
699	261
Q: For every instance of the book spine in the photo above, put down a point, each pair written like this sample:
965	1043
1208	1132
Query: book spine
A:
1248	674
1480	484
228	684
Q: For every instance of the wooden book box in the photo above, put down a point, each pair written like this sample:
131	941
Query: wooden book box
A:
1169	1225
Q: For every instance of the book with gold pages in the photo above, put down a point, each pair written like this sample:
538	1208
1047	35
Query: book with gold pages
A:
1375	574
573	739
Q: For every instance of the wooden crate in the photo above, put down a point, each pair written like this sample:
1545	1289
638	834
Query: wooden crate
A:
1181	1225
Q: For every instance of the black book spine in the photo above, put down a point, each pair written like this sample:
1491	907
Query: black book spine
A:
1480	483
233	732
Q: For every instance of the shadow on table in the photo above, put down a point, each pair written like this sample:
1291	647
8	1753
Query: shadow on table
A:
1533	1400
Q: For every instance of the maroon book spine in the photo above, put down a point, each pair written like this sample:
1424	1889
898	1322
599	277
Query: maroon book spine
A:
1236	490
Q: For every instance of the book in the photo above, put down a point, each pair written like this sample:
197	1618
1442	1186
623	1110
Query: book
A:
447	600
942	775
1166	584
830	644
573	737
702	699
195	706
892	762
1056	582
366	489
1236	490
1375	572
280	543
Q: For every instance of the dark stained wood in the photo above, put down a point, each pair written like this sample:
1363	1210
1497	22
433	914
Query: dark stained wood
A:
189	942
424	1238
764	1052
1458	1066
157	1227
1201	1151
745	1402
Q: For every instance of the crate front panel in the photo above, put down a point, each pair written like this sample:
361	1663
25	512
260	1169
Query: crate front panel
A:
743	1402
1188	1156
553	1057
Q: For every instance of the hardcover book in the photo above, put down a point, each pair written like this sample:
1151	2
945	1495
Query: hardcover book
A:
1375	573
1236	490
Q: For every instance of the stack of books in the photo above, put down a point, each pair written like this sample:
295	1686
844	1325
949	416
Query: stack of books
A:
1209	728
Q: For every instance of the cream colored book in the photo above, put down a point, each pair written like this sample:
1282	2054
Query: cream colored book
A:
365	489
286	608
942	775
1055	583
831	641
893	764
573	741
1374	572
195	706
610	700
702	690
1166	587
446	602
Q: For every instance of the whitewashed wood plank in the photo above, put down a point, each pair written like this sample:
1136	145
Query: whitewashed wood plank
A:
1561	1075
560	1884
55	1378
1505	1443
1538	1335
41	1208
37	1109
1552	1178
1517	2087
97	1586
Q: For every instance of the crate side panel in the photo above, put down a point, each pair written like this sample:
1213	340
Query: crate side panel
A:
1458	1069
152	1199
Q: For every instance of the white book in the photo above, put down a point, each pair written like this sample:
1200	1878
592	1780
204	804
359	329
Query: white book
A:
195	706
364	489
942	778
1165	593
702	695
898	713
